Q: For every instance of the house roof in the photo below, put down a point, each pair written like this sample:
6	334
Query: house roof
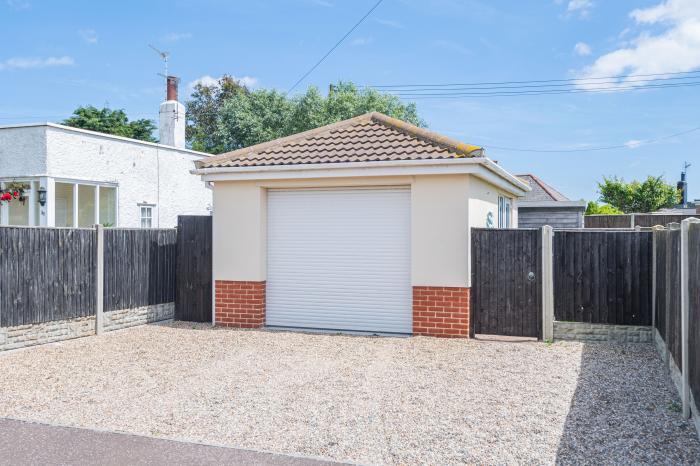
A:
372	137
541	191
72	129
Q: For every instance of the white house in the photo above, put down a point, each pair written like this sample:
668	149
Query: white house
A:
77	178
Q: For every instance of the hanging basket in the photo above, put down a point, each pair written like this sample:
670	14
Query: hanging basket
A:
14	191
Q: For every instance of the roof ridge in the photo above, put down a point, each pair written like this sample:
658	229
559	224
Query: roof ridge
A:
287	139
425	134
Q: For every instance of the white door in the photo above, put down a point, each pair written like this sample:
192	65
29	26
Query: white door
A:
339	259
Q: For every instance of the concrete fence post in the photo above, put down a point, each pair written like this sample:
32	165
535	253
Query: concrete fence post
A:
547	283
685	313
632	221
99	278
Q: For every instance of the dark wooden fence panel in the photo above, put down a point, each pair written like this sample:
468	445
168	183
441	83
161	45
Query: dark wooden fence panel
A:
194	258
504	301
650	220
607	221
673	294
140	266
624	221
694	309
660	237
46	274
603	277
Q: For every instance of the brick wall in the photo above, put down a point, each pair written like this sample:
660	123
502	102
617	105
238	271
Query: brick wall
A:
240	304
441	311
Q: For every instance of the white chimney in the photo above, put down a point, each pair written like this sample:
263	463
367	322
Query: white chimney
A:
172	117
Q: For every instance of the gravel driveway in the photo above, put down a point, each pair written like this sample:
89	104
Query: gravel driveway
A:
359	399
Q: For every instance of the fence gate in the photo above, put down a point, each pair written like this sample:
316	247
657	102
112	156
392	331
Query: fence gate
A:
506	293
193	297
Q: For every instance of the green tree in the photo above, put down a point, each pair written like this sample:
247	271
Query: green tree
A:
648	196
110	121
593	208
220	121
204	109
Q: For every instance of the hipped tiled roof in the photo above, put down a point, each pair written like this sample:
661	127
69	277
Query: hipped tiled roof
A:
541	191
372	137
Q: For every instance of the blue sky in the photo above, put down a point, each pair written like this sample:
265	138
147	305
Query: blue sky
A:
58	55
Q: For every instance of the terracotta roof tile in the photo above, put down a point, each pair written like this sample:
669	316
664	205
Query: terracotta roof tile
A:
367	138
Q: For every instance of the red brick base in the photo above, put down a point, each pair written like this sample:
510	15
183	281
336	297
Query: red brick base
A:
240	304
441	311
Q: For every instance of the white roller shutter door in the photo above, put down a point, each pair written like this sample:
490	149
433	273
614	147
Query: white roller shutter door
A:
339	259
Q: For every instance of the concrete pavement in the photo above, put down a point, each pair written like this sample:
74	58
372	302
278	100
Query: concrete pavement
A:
26	443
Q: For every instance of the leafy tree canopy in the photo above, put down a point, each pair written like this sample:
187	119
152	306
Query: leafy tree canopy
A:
594	208
110	121
228	116
648	196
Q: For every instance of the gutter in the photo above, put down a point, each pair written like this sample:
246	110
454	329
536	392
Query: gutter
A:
423	163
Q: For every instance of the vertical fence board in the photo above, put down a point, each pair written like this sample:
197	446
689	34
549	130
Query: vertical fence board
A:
45	274
694	309
660	237
503	300
139	267
194	258
603	277
624	221
673	251
49	274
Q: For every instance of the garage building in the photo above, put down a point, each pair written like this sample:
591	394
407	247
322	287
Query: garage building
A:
359	226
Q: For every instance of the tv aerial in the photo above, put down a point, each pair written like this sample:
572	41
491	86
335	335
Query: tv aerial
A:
163	56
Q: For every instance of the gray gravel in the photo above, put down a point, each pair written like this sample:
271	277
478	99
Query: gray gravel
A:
359	399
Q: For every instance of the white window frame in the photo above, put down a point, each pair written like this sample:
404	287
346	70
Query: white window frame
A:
505	212
76	182
149	208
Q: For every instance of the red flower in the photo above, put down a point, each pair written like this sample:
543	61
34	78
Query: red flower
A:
6	197
15	194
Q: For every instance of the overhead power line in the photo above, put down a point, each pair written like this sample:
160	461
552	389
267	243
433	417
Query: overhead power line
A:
600	148
442	95
526	86
334	47
593	78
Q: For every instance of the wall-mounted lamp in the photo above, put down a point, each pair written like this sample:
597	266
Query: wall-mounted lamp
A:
42	196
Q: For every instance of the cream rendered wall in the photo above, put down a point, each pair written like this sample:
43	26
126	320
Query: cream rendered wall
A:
239	231
439	225
439	230
145	173
483	198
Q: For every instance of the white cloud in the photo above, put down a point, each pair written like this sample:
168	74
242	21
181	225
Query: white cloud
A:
177	36
669	10
582	48
580	7
88	35
209	81
22	63
634	143
675	48
360	41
